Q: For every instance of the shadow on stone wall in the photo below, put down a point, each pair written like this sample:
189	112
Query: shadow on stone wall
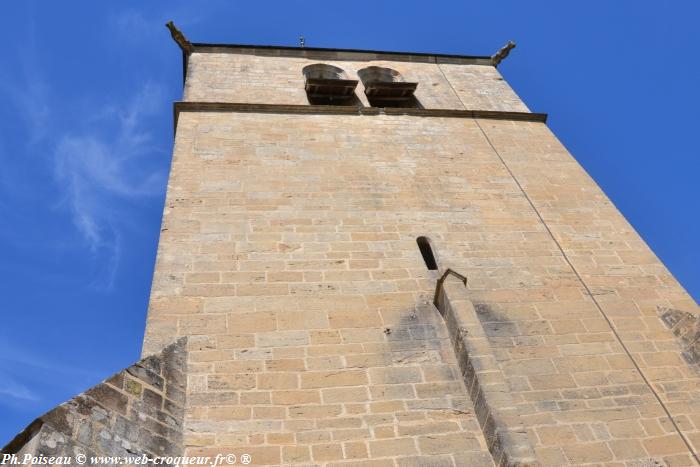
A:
488	388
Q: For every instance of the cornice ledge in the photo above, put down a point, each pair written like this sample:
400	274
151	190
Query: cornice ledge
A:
189	106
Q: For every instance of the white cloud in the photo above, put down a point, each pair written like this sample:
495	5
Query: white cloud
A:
28	90
96	172
100	163
131	23
9	387
21	368
134	26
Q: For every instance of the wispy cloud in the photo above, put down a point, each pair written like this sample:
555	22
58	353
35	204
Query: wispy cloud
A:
21	367
9	387
13	352
131	23
92	168
100	163
30	93
135	25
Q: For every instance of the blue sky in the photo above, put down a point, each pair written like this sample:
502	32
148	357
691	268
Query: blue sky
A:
86	136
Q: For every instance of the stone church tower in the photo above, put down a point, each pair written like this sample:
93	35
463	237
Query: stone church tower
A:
386	259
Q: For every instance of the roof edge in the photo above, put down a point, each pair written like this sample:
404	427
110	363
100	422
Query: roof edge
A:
201	45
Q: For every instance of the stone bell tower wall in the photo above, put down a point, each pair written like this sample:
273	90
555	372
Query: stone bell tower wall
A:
289	257
293	317
263	76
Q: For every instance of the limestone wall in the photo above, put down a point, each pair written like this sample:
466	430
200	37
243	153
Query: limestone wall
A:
288	258
289	255
228	75
605	299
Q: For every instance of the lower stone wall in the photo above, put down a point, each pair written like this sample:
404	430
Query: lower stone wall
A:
366	393
137	412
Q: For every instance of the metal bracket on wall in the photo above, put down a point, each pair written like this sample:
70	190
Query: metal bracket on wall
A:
438	286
